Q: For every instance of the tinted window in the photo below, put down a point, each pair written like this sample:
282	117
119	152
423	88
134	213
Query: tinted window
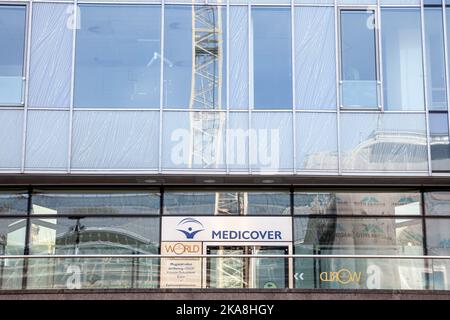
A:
402	59
117	58
272	72
12	42
358	59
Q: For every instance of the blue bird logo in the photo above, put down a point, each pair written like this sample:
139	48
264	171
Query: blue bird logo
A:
190	227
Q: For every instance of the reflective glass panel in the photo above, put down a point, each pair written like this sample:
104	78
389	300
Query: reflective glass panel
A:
403	87
358	59
272	65
12	242
438	236
434	44
357	203
12	40
117	56
227	202
13	203
81	235
340	235
95	202
383	142
195	57
439	140
437	203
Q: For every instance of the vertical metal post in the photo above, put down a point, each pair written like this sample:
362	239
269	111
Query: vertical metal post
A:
338	94
294	93
161	87
26	250
72	87
425	81
27	56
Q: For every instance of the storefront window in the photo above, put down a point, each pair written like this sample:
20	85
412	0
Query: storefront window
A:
13	203
357	203
80	235
12	242
96	202
227	202
358	236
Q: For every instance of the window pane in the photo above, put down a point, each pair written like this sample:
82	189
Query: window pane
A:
118	49
316	141
94	235
95	202
13	203
383	142
12	242
272	74
47	141
358	236
193	140
239	63
440	147
194	68
226	202
12	39
434	41
437	203
271	141
12	235
115	139
237	148
315	67
402	59
447	23
11	132
438	236
51	59
357	203
358	59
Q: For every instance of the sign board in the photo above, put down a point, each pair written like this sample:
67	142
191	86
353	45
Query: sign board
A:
182	272
217	229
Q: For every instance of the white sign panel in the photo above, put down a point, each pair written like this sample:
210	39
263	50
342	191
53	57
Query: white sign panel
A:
270	229
181	272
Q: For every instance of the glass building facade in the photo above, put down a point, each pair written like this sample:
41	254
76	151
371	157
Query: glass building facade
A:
115	98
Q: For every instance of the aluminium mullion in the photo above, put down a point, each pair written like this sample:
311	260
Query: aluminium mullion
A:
227	93
250	84
72	84
26	79
161	88
425	89
293	80
446	64
338	88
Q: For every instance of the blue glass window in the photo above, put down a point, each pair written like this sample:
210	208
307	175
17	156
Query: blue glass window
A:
435	59
358	59
272	66
117	57
439	140
12	41
195	57
403	85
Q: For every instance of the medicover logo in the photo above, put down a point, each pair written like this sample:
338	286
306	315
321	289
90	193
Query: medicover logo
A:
190	227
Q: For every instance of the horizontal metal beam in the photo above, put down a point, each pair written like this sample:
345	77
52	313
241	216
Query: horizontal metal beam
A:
287	256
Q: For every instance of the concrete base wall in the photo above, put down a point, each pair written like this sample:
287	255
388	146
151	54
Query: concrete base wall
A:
218	294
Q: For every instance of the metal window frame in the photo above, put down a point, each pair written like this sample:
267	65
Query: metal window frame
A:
226	3
377	53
